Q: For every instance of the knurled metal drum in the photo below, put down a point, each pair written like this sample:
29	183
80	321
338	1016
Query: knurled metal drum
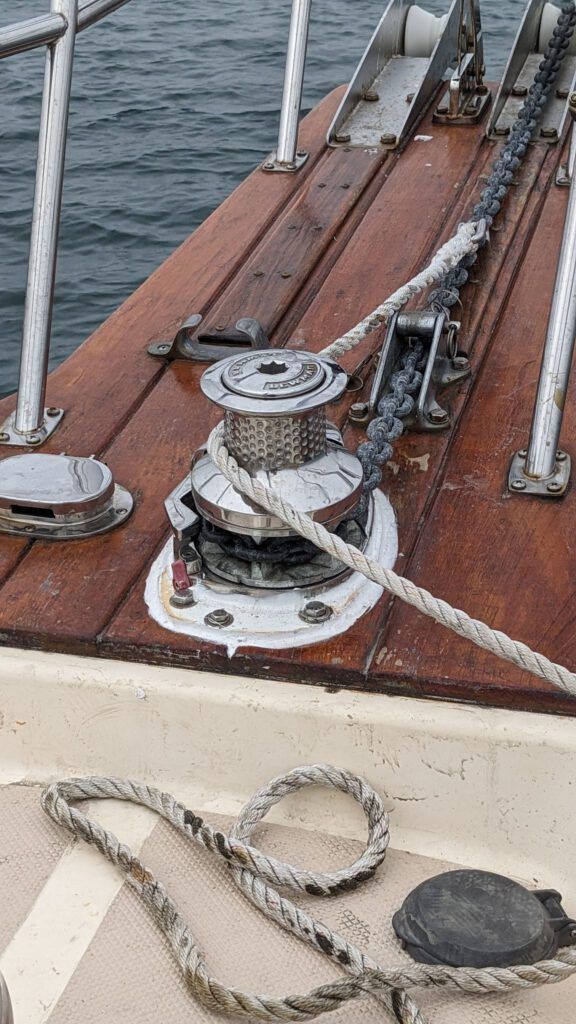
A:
275	426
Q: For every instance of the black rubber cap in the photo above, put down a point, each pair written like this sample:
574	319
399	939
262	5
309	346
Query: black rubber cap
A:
477	919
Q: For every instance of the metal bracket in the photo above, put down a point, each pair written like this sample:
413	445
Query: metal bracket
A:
273	165
391	88
211	344
554	486
444	365
13	438
522	66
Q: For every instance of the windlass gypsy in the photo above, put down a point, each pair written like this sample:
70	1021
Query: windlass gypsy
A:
275	425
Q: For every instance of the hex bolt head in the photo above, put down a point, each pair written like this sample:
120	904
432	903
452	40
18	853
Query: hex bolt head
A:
438	416
342	137
388	139
219	618
562	94
371	96
358	412
183	598
549	133
315	612
518	485
520	90
52	411
502	129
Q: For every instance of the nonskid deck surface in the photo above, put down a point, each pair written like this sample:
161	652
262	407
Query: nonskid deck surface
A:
76	944
309	255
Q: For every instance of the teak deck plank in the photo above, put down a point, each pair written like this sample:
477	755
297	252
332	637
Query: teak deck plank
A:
112	369
170	423
132	628
515	564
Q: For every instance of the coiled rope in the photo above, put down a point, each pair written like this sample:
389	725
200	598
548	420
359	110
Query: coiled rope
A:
258	875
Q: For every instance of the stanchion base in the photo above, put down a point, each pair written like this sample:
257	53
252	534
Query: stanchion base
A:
12	437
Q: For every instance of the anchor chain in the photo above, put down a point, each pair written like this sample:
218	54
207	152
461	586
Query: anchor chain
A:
514	153
388	426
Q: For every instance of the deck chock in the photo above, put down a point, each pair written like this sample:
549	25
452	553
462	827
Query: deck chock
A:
58	497
444	365
526	55
401	70
211	344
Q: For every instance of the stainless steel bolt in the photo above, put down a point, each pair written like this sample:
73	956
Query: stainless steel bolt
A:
4	436
561	456
358	412
388	139
301	154
219	618
520	90
268	166
438	416
549	133
342	137
34	440
52	411
183	598
315	612
523	454
502	129
518	485
371	96
554	488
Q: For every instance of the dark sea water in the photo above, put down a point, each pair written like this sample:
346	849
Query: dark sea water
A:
174	102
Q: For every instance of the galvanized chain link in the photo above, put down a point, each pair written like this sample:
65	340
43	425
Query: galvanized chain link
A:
510	159
388	425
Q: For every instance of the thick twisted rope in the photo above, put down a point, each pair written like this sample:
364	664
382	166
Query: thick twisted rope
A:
465	242
257	875
459	622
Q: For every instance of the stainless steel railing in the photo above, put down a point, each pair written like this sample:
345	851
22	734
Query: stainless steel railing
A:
32	423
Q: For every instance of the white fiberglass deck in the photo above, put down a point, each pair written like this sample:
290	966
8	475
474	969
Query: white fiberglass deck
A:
464	786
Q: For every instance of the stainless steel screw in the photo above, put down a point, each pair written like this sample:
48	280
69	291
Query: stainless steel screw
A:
342	137
34	440
4	436
523	454
554	488
388	139
561	456
316	611
268	166
518	485
52	411
219	618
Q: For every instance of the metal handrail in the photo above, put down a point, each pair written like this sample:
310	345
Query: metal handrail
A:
31	424
48	28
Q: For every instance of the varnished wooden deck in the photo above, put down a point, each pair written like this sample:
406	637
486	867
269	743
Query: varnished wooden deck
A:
309	255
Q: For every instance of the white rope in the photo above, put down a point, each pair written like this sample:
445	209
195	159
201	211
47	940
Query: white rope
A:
465	241
477	632
257	875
